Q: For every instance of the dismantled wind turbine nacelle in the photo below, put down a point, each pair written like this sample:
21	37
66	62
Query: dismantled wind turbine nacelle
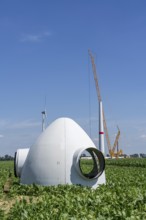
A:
63	154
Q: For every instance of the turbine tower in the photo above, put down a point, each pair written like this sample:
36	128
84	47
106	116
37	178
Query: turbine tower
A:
44	115
101	129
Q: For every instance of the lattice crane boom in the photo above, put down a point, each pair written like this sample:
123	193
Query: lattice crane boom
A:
95	76
116	142
111	150
99	99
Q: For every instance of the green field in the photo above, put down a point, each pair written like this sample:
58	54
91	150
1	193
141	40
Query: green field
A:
123	197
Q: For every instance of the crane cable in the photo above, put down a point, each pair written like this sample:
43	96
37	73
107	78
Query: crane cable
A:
89	96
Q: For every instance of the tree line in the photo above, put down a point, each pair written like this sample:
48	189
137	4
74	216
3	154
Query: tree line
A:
6	157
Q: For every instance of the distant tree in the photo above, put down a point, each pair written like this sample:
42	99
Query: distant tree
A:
6	157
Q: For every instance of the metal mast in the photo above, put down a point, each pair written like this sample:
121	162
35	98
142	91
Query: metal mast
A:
115	144
99	99
111	150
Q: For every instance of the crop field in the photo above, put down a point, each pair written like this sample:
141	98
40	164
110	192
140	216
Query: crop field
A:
122	198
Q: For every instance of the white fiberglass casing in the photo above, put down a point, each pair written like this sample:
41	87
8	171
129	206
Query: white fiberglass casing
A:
19	160
55	158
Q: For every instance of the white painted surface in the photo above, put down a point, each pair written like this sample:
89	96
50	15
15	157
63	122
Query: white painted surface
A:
21	155
52	159
101	129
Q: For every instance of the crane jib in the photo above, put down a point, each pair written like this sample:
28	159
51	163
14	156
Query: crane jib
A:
111	149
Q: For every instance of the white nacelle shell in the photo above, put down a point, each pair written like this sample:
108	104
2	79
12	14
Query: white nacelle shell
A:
50	160
20	157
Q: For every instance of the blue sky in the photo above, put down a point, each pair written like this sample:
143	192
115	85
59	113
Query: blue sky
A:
44	52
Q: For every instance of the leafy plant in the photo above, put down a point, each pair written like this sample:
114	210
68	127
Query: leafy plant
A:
122	198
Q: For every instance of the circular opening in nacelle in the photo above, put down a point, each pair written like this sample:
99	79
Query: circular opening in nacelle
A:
91	163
